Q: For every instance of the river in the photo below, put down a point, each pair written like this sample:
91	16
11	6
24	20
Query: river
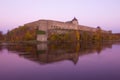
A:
60	61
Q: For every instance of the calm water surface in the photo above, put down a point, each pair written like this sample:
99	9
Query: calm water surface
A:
71	61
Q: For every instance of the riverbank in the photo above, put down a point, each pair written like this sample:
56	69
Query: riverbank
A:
38	42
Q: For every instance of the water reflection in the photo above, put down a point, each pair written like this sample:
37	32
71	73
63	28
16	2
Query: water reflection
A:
45	53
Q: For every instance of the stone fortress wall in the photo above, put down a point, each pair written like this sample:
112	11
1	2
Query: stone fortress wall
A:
50	25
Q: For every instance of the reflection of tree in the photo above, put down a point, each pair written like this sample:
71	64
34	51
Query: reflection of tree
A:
22	48
54	52
0	47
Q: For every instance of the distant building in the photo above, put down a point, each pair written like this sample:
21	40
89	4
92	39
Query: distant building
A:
47	25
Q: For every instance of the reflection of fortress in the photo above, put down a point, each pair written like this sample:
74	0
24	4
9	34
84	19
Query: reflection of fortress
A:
68	53
50	26
50	53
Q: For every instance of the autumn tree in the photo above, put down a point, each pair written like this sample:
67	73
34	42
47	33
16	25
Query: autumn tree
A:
1	36
22	33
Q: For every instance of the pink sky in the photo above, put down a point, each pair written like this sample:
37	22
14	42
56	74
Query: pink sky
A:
104	13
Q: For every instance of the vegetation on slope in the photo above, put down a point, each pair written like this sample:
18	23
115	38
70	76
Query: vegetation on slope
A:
84	36
22	33
25	33
1	36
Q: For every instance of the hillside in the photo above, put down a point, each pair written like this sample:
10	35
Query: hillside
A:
22	33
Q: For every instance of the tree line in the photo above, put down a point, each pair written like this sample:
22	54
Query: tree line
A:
22	33
25	33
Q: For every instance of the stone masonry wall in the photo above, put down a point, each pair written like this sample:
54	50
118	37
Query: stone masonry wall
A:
47	25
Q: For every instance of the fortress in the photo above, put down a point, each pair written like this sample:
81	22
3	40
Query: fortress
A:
48	27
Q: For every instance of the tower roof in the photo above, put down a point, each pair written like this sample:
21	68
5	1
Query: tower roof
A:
74	19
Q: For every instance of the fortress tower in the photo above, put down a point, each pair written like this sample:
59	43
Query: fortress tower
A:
75	21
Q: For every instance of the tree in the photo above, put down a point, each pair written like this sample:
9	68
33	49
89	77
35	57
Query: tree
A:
1	36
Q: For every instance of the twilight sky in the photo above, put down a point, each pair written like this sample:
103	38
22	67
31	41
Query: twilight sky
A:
104	13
